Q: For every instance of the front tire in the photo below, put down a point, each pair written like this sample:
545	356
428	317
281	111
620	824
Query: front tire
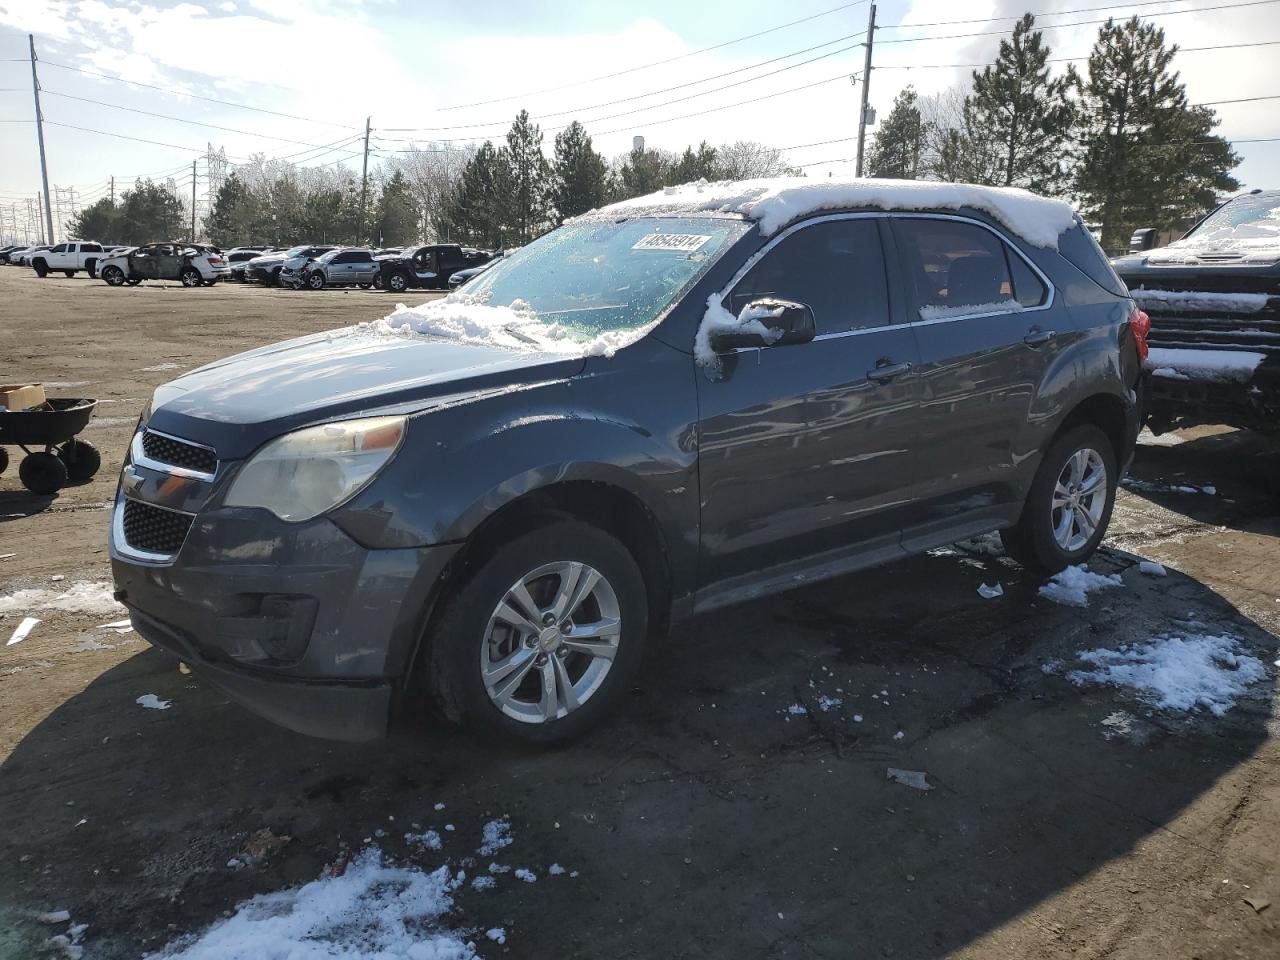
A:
397	283
1069	504
113	276
41	268
315	281
544	636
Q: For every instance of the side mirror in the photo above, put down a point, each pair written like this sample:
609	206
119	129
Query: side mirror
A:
1143	239
767	322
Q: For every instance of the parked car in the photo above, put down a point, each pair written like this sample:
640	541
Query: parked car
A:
428	266
1213	299
459	277
238	259
267	268
674	404
8	249
69	258
22	258
193	264
337	268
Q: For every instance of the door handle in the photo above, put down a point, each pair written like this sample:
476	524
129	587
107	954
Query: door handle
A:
1038	337
883	373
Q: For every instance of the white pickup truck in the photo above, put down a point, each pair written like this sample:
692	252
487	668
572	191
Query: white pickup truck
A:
69	258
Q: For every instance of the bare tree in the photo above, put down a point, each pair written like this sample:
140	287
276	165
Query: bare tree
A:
432	170
745	159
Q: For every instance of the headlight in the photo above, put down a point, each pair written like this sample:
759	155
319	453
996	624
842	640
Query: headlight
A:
304	473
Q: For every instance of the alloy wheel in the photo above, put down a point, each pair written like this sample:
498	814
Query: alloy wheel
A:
550	642
1079	499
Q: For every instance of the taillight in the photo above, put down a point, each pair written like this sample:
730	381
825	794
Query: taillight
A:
214	261
1140	324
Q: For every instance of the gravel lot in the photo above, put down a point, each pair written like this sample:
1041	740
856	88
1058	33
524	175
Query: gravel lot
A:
725	813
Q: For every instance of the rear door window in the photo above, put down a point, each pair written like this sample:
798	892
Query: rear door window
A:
835	266
956	268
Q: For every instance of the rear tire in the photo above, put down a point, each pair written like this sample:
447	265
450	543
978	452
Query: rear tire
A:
1062	522
469	633
4	459
81	458
190	277
42	473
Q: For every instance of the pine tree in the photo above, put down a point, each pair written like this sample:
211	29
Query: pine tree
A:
900	141
476	212
150	212
235	215
1147	157
396	216
578	179
530	175
702	164
1018	119
100	221
641	172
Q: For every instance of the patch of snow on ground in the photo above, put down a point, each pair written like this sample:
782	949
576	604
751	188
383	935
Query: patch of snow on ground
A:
1171	439
827	704
969	309
497	935
83	597
497	834
373	909
151	702
1221	366
463	319
796	710
774	202
1186	301
428	839
1175	672
483	883
528	876
1073	585
990	593
555	870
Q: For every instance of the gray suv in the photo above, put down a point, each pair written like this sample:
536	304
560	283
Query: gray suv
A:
664	407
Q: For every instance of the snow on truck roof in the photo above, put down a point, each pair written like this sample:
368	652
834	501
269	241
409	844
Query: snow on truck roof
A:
775	202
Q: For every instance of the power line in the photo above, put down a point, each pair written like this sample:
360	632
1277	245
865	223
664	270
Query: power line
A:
193	96
658	63
165	116
1034	13
992	63
654	93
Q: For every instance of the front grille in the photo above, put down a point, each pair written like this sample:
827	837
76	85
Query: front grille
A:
177	453
153	529
1210	325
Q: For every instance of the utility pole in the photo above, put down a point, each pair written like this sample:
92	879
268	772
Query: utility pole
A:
866	89
193	201
44	169
364	178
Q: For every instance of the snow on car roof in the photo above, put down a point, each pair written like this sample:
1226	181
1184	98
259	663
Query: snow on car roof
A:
774	202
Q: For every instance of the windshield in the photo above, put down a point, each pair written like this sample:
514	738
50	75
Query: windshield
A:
294	251
594	278
327	257
1253	217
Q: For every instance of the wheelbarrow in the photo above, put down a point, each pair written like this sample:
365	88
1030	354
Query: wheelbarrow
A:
47	436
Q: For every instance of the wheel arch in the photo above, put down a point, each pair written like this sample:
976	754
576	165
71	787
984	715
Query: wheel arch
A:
1105	411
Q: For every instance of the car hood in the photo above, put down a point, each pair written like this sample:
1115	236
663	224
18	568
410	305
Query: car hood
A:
267	259
237	404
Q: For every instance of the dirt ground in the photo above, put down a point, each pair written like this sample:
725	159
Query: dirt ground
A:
707	820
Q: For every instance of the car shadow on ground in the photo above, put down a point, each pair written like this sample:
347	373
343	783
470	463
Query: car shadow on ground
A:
738	806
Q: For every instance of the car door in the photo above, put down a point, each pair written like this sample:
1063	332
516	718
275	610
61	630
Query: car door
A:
363	267
980	309
809	446
168	262
142	263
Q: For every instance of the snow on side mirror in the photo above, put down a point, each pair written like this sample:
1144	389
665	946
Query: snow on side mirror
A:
766	323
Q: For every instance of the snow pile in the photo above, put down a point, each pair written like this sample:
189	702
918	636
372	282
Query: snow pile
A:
151	702
1177	673
774	202
1223	366
462	318
969	309
371	909
1073	585
497	834
718	320
84	597
1184	301
428	840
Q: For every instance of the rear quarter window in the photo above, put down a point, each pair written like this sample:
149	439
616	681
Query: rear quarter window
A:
1082	251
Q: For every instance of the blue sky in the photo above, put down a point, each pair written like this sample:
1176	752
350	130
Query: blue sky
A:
333	63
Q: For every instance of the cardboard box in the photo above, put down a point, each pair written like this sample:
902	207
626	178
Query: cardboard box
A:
21	396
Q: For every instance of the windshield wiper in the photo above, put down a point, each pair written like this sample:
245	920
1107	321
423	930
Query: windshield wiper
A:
511	329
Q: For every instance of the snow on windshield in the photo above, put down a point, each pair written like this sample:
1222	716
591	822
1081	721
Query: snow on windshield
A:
777	201
461	318
1249	221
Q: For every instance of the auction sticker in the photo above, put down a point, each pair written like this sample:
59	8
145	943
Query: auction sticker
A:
685	242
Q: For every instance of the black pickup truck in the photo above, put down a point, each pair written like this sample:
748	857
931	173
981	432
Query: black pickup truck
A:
1214	302
428	266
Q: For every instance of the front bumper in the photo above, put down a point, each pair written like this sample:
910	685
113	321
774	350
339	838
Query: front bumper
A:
1176	403
298	622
